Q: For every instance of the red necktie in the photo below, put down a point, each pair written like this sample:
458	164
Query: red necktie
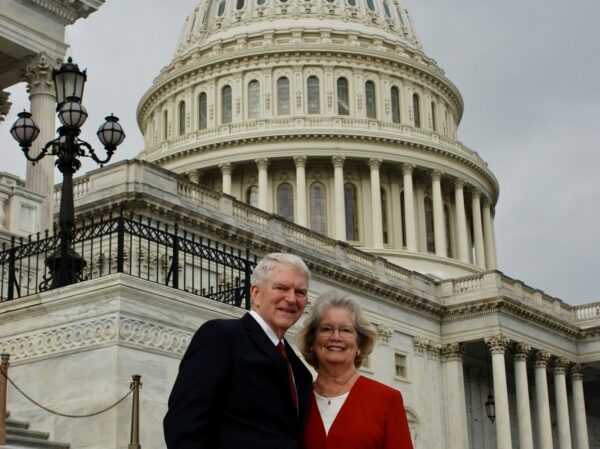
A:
281	349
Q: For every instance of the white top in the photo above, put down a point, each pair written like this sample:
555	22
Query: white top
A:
329	408
263	324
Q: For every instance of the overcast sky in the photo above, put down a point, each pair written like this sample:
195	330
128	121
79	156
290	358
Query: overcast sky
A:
528	72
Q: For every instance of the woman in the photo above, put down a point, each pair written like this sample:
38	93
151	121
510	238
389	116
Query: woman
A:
347	410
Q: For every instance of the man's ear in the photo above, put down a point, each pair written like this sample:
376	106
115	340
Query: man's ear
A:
254	295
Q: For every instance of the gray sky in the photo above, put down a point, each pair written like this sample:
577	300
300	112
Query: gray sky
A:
528	73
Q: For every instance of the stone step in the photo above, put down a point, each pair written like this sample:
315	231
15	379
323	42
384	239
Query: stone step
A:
27	442
18	431
13	423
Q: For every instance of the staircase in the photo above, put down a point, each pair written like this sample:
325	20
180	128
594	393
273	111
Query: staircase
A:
18	435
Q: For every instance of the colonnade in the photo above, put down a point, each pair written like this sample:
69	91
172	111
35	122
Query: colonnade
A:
542	361
477	246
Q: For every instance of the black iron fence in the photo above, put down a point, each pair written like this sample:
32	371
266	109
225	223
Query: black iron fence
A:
136	246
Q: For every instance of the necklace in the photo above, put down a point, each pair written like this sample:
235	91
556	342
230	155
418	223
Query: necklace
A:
342	387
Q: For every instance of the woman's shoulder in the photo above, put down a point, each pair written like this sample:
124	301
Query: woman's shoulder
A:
372	386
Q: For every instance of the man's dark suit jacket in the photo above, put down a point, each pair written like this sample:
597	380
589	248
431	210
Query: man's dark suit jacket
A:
232	391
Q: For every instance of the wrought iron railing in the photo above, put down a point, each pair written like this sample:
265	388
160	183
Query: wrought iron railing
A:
136	246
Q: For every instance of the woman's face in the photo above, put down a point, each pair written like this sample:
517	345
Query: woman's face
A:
336	340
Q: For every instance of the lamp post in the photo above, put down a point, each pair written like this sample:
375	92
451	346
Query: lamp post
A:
65	265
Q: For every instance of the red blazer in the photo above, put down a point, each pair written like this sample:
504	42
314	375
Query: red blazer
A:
373	417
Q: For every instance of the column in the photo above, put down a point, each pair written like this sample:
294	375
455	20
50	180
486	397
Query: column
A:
489	237
521	350
478	229
496	346
439	228
302	217
562	403
374	164
40	177
542	402
409	208
456	411
262	165
461	221
580	420
338	197
226	172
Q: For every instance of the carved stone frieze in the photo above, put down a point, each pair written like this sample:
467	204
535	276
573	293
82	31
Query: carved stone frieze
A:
385	332
420	344
95	333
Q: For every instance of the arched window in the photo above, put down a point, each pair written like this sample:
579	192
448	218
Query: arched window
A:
371	5
433	121
417	110
400	17
221	9
403	218
384	217
386	9
226	104
260	2
283	96
202	111
312	88
351	2
350	203
395	93
253	99
239	4
318	208
429	225
285	201
342	97
252	196
165	124
181	118
370	97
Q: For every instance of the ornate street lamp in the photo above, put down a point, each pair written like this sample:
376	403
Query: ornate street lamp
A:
65	264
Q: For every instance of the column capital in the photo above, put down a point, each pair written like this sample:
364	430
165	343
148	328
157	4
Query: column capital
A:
38	74
408	169
420	344
375	163
262	163
497	344
338	160
577	371
385	332
476	193
453	351
226	168
436	175
459	184
521	351
4	105
300	161
561	364
541	358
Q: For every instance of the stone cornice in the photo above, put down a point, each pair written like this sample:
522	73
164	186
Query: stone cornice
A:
66	11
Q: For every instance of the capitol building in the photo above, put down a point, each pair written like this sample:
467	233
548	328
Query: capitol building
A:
317	127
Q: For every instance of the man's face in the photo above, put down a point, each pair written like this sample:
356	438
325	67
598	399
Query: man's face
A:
281	299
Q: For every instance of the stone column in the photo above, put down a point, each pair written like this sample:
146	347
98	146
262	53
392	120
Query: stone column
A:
562	403
461	221
302	217
226	172
542	401
521	351
580	420
478	229
439	228
40	177
338	195
262	165
489	237
456	412
374	164
497	346
409	208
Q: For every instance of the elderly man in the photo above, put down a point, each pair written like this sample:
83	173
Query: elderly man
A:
240	385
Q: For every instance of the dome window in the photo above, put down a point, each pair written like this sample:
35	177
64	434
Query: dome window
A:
371	5
226	104
395	94
417	110
283	96
312	87
202	111
239	4
400	17
351	209
318	208
253	99
371	101
351	2
433	120
285	201
342	97
252	196
221	9
260	2
181	118
386	9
